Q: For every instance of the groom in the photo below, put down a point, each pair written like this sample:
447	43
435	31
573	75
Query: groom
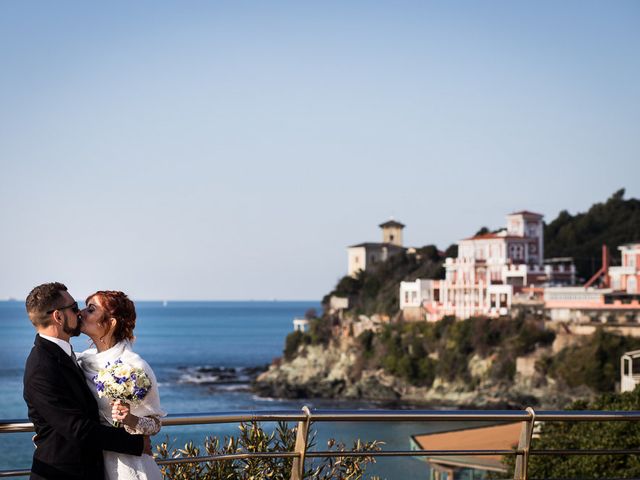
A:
69	437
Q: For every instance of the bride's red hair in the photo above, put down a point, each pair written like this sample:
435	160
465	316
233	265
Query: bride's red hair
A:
117	305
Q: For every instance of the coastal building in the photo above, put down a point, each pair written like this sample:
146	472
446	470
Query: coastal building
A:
615	299
628	379
626	278
300	325
364	256
467	467
489	269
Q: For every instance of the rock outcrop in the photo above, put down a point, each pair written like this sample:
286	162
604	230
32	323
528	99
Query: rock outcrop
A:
333	372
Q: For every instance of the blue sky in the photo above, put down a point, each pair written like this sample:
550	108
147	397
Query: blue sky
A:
232	150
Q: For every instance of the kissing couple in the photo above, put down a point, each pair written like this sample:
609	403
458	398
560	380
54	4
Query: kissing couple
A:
68	404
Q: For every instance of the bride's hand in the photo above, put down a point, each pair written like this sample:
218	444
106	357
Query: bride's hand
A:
120	411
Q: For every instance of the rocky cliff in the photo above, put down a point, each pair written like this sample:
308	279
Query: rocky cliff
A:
334	371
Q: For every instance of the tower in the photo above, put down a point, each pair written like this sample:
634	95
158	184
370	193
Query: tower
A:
392	232
528	225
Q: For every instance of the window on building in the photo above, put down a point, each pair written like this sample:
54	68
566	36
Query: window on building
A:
615	283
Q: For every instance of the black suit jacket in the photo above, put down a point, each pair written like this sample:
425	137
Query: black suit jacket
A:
69	437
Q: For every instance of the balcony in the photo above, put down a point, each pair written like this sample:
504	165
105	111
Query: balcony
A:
529	419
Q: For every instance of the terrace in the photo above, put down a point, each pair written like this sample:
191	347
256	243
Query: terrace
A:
528	420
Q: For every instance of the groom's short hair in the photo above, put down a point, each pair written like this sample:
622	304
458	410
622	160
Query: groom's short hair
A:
44	298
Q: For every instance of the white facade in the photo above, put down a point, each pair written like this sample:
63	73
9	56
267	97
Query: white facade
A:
629	377
412	294
300	324
357	258
618	301
481	280
366	255
627	276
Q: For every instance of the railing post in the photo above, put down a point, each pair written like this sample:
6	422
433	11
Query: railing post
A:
524	445
302	435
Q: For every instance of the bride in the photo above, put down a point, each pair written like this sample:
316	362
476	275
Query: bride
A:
109	319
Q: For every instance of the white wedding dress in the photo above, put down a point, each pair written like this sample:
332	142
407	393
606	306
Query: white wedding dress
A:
120	466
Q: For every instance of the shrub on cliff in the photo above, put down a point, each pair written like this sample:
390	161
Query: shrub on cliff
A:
594	363
420	351
293	342
319	334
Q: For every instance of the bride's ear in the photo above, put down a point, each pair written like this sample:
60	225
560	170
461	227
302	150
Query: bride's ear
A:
112	323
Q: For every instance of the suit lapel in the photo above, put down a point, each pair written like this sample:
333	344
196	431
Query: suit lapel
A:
66	363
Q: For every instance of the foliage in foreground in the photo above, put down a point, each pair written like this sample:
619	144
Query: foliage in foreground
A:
252	439
589	435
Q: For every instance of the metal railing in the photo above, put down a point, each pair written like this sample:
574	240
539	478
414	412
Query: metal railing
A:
306	416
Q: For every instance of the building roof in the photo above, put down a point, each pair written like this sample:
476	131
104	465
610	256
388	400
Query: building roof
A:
493	236
495	437
391	223
630	244
558	260
377	245
527	213
485	236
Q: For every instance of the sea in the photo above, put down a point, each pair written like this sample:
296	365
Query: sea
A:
203	355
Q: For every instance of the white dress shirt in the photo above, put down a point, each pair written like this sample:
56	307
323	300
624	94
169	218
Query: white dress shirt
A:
64	345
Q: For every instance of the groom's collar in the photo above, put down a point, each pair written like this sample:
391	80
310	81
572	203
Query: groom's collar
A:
65	346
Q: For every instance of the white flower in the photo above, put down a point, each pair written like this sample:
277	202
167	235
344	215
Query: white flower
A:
119	381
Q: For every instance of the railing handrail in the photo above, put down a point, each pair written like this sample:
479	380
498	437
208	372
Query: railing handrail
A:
307	416
24	425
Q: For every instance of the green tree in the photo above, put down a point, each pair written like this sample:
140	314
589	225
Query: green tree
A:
581	236
594	363
588	436
293	342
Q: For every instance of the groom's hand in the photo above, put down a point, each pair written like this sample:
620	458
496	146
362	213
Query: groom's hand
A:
147	445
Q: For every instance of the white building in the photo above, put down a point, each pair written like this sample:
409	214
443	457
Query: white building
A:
367	255
616	300
300	325
627	276
488	270
629	379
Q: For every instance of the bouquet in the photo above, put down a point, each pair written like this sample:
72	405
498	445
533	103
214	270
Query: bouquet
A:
119	381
